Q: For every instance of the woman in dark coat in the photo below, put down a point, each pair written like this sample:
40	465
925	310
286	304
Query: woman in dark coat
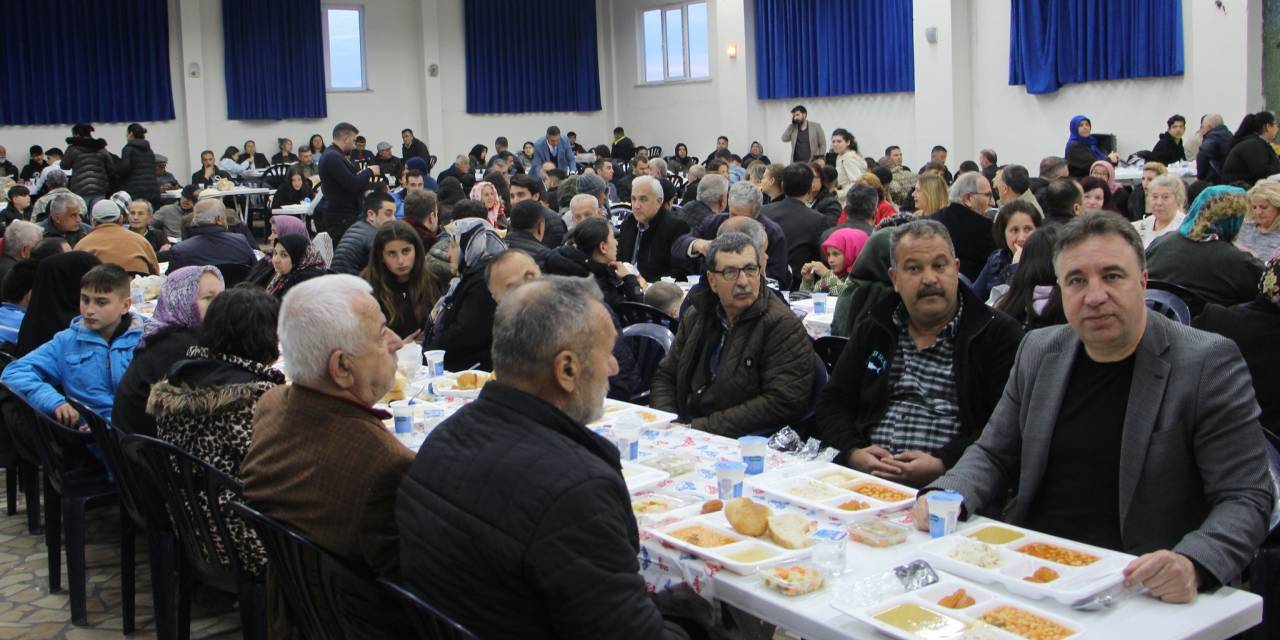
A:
55	298
1252	157
180	309
591	250
294	190
1168	149
137	170
90	163
1082	148
251	151
295	260
1255	328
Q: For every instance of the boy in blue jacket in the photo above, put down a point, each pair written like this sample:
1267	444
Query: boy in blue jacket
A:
85	361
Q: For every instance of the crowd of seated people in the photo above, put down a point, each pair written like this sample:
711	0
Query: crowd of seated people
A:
962	296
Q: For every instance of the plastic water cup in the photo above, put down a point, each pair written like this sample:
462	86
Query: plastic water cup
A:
944	512
753	450
729	476
819	302
693	280
138	294
435	363
628	440
409	359
402	411
830	551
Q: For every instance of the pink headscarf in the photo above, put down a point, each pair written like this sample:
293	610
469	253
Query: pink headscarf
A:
849	242
496	211
1111	174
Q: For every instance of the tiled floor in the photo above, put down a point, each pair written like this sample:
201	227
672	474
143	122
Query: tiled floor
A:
28	610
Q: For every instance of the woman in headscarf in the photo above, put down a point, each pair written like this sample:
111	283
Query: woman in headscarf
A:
55	298
1119	194
262	272
1082	148
295	260
1201	257
756	154
868	283
841	249
1255	328
462	323
486	194
680	162
184	298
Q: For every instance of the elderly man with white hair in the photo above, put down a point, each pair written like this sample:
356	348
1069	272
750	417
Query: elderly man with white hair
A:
581	207
66	219
965	219
19	237
209	242
321	460
648	234
713	193
744	200
514	505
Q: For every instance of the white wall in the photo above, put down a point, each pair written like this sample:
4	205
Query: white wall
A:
962	98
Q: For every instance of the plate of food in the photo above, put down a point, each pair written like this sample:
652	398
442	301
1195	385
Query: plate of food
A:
630	415
1028	563
743	536
640	478
655	509
956	608
836	491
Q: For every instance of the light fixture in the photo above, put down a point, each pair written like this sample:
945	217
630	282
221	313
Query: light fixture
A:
731	50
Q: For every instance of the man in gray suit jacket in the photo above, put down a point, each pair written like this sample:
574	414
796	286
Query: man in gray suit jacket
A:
1125	429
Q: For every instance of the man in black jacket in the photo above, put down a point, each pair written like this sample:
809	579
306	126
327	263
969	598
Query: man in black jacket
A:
387	163
713	193
648	234
623	148
745	199
526	228
965	219
1215	145
513	505
801	225
343	186
414	148
921	375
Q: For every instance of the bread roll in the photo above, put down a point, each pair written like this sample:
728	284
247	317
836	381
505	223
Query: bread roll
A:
789	531
747	517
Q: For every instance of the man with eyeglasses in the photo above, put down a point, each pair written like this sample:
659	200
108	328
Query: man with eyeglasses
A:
924	369
742	362
965	219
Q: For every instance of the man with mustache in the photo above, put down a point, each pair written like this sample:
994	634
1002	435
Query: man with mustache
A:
1125	429
922	371
742	362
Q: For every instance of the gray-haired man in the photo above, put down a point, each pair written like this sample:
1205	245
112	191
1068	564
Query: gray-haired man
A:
744	199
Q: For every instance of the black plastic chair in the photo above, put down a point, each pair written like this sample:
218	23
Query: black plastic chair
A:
73	480
655	152
328	598
186	482
141	509
829	349
233	274
1169	305
275	175
427	621
630	313
649	343
807	425
10	457
431	163
18	421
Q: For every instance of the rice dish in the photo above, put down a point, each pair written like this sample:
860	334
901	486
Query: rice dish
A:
978	554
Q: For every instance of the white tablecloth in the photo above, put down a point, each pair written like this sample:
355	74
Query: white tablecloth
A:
293	210
817	325
1183	170
174	194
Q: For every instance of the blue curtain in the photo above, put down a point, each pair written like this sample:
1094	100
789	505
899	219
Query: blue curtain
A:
84	61
1057	42
807	48
528	56
274	59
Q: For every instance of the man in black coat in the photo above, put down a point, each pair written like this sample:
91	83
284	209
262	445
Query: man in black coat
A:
967	223
713	194
649	233
1214	146
801	225
343	186
513	505
387	163
623	148
879	409
414	148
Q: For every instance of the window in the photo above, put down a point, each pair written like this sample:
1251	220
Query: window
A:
675	43
344	48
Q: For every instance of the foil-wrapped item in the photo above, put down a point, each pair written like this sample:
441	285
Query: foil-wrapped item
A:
916	574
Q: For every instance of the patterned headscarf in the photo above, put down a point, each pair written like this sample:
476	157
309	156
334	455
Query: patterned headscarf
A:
476	241
304	256
288	226
1217	214
177	307
1269	285
497	210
